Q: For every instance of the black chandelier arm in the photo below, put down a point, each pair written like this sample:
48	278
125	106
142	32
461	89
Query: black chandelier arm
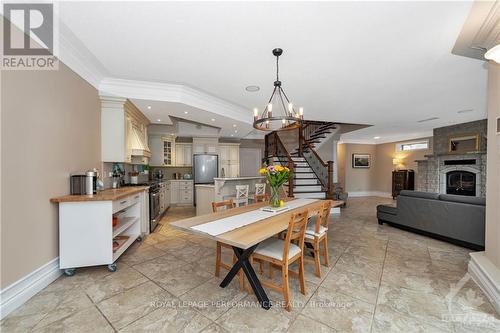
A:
282	101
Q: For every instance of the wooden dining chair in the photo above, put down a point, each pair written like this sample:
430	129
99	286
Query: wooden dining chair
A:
218	206
283	253
316	234
261	197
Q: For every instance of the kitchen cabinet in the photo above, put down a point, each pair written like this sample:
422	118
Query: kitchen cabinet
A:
164	197
229	159
168	151
181	192
123	131
183	154
205	145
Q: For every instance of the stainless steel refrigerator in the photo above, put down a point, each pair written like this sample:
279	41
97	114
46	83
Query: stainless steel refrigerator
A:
205	168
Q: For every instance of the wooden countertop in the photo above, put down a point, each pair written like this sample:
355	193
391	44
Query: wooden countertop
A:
105	195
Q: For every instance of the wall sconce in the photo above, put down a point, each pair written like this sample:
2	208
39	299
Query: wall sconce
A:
397	162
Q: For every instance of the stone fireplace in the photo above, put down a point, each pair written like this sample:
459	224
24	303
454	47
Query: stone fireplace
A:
452	173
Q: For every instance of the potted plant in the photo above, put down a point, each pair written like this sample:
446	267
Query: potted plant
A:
276	176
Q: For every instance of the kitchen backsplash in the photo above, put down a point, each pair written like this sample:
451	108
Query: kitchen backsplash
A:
169	172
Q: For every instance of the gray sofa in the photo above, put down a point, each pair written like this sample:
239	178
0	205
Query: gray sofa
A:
454	218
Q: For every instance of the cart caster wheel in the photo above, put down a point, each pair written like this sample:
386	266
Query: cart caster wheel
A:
69	271
112	267
139	239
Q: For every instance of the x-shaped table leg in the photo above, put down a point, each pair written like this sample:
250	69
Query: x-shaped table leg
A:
244	264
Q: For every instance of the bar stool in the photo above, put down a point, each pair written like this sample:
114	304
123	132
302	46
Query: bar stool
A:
241	195
219	206
260	188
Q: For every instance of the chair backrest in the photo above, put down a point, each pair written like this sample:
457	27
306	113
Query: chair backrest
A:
296	231
260	188
226	204
261	197
241	191
323	217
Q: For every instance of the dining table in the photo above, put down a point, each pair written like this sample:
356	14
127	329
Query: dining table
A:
244	228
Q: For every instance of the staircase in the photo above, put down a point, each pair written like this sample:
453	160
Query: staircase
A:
312	177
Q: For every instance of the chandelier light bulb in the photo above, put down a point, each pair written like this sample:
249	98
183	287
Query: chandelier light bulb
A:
290	108
493	54
255	112
301	111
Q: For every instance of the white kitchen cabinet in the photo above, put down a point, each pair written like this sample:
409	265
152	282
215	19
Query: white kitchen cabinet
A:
181	192
205	145
168	151
164	197
229	159
123	131
183	154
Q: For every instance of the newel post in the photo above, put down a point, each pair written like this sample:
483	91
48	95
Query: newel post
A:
301	139
290	178
329	193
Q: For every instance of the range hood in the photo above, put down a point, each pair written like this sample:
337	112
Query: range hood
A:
138	143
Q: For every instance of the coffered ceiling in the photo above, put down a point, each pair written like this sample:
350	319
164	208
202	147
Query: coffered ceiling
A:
388	64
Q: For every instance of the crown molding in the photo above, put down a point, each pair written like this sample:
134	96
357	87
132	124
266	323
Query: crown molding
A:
176	93
74	54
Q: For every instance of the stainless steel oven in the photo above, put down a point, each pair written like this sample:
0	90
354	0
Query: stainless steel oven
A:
154	206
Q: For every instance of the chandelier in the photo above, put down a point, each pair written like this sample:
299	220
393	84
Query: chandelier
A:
279	113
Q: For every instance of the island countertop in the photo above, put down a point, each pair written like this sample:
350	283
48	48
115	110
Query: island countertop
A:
239	178
105	195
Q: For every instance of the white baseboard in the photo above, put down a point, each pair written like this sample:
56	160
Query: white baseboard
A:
23	289
487	277
370	194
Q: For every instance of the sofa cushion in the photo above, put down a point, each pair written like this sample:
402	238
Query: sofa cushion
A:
463	199
417	194
387	209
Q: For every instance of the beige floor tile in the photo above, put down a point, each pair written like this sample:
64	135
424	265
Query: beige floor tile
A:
304	324
214	328
355	285
211	300
138	253
360	265
124	278
341	312
248	316
182	279
169	319
387	320
88	320
191	252
369	252
128	306
159	266
426	307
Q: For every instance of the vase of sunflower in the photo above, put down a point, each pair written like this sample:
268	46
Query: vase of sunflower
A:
276	176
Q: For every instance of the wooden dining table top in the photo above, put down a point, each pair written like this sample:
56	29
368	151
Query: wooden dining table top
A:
251	234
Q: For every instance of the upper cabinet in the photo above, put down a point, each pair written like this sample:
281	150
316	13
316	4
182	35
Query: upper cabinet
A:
183	154
229	160
124	135
205	145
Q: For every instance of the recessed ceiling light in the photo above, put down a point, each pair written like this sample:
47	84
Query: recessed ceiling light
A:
465	111
185	112
252	88
149	107
232	134
376	137
234	125
236	131
212	119
158	119
427	119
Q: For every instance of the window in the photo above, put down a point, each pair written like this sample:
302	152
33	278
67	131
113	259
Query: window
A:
416	145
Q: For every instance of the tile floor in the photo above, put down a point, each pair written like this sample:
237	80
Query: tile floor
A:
381	279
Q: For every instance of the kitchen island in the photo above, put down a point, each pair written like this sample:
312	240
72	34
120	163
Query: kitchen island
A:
222	189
